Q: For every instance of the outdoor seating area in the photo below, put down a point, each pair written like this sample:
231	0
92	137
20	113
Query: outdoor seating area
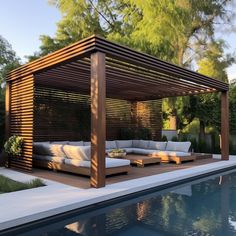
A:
135	172
75	156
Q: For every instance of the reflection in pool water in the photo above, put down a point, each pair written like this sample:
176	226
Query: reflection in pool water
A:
204	208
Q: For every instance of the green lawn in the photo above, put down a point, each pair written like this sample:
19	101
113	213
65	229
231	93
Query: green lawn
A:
8	185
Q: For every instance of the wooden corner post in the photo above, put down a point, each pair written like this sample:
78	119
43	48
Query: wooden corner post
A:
224	126
98	119
7	110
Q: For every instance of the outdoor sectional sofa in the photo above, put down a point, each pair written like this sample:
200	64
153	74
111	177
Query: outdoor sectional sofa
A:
167	151
75	156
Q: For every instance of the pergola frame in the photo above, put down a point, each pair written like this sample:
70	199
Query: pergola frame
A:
102	69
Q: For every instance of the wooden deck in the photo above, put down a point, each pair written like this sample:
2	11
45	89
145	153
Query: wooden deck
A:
83	182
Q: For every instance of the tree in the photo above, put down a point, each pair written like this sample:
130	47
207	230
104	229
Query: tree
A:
8	59
206	107
8	62
177	31
170	30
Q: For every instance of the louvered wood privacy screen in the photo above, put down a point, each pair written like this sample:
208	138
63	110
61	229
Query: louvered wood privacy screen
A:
21	98
62	115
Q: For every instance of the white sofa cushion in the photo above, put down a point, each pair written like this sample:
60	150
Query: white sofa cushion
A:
87	143
110	162
111	145
157	145
143	144
179	154
77	152
178	146
60	142
49	158
76	143
135	143
143	151
124	143
49	149
128	150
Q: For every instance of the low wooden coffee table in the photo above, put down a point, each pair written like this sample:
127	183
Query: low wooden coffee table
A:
142	160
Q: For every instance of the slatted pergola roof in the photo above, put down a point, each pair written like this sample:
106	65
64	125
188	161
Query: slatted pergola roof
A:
130	75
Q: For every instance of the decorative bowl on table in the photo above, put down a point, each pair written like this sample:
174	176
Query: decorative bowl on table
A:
117	153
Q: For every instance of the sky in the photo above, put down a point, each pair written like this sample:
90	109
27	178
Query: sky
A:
23	21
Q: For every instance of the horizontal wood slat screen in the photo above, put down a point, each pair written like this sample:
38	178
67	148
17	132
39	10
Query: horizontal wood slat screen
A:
65	115
21	119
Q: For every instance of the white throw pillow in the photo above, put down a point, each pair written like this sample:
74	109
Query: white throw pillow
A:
178	146
76	143
143	144
77	152
111	145
157	145
124	143
49	149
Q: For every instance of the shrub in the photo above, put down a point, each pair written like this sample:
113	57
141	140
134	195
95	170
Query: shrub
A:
164	138
174	139
13	146
183	137
127	133
143	133
194	145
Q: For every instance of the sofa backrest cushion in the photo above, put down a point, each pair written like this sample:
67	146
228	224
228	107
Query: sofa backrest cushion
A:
87	143
77	152
124	143
157	145
135	143
76	143
60	142
143	144
178	146
49	149
111	145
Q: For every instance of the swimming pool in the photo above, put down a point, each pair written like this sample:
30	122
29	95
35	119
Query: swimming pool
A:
202	207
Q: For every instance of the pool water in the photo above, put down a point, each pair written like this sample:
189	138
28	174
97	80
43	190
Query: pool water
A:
204	207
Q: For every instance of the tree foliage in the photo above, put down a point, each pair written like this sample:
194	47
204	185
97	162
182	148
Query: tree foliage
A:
178	31
8	59
8	62
171	30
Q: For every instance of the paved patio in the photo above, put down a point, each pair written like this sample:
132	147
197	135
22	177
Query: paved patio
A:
136	172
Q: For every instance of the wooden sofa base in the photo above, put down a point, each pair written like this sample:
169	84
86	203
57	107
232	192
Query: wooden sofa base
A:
78	170
177	159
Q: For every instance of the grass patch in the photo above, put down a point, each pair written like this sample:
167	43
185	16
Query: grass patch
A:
8	185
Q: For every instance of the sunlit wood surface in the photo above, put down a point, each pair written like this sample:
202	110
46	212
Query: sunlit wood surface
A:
83	182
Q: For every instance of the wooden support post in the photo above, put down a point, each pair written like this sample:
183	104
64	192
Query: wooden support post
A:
7	110
224	126
98	119
7	160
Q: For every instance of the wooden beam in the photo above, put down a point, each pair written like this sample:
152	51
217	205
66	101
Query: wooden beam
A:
7	110
98	119
224	126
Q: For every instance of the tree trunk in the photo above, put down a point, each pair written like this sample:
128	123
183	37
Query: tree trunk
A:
173	122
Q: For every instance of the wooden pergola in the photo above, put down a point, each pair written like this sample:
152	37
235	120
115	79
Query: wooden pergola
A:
102	69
